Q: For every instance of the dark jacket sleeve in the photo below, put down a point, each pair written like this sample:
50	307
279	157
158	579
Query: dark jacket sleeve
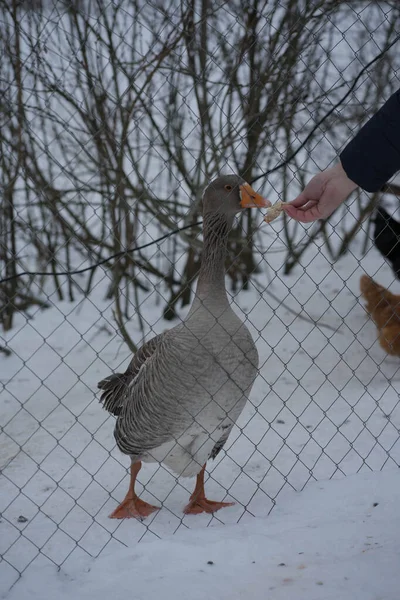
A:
373	155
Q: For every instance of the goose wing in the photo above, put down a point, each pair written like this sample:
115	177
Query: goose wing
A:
221	442
115	386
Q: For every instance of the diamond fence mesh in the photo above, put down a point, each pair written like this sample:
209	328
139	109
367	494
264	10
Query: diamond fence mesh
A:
114	118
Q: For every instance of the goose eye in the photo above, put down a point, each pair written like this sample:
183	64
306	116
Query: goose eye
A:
228	187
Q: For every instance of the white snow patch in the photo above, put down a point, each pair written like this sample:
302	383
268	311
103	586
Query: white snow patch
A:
337	539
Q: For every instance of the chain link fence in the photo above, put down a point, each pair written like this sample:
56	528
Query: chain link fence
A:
114	118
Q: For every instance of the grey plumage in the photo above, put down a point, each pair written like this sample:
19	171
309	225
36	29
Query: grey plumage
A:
114	386
184	389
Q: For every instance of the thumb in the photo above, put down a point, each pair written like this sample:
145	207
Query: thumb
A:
307	215
300	200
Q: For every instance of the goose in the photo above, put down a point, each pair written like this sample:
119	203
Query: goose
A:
184	389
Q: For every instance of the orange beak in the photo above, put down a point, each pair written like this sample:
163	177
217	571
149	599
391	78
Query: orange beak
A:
250	199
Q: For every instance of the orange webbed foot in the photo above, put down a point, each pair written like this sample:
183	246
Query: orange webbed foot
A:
197	506
133	508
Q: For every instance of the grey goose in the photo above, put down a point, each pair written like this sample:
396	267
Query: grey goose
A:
185	388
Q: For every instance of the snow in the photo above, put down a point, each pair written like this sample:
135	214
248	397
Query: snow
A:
325	405
336	539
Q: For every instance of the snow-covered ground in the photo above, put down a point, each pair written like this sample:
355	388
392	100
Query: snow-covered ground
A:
337	539
325	405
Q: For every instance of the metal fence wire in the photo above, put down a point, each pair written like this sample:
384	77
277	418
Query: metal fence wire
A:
115	116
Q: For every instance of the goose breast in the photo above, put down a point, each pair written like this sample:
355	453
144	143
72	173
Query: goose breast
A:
208	384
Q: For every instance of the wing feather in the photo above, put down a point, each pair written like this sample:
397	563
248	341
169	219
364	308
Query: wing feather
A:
115	386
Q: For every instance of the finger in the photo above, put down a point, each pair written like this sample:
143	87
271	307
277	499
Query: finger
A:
307	206
304	216
301	200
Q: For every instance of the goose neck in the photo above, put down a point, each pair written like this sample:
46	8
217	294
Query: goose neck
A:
211	280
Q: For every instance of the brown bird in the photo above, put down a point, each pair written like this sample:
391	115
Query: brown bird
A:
384	309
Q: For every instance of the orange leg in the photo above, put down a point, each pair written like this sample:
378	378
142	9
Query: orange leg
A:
132	506
198	502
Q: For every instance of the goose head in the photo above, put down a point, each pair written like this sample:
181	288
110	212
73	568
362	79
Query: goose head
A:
229	195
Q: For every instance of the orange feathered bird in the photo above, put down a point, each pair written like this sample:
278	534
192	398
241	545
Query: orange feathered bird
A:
384	309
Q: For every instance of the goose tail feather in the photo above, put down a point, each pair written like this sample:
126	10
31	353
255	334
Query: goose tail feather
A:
113	388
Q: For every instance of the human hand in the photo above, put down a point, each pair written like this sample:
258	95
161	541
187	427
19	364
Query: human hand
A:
321	196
